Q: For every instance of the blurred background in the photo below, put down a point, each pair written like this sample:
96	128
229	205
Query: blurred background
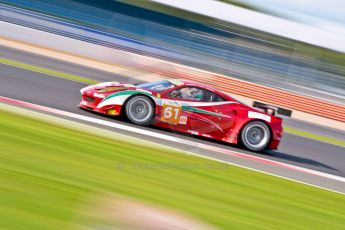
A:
296	50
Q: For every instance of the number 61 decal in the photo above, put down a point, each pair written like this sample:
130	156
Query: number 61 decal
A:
171	114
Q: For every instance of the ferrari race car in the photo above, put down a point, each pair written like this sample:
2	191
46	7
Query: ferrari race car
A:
187	107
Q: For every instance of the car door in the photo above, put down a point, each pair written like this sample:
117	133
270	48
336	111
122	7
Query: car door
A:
198	111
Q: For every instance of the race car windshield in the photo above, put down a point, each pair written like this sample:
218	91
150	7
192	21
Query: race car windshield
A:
157	86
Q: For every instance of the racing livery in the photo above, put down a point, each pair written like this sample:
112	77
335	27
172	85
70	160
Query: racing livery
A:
188	107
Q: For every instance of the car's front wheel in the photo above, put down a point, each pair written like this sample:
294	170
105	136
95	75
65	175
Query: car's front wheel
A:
140	110
255	136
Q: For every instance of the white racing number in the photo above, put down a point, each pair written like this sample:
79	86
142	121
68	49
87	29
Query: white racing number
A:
171	114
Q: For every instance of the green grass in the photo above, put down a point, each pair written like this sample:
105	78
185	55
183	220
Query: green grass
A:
49	172
314	136
42	70
91	81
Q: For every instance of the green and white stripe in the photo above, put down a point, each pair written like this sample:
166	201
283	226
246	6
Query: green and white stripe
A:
119	98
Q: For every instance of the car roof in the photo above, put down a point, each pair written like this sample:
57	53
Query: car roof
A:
194	83
179	82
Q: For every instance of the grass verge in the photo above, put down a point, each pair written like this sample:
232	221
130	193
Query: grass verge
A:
314	136
48	171
91	81
46	71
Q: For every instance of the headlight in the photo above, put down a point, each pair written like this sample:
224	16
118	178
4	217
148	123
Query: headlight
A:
98	95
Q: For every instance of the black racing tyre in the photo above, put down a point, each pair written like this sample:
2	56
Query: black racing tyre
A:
140	110
255	136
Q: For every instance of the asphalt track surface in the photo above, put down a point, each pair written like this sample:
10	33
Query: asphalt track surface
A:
64	95
101	76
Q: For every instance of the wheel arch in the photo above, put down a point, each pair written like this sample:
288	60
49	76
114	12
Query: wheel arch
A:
122	113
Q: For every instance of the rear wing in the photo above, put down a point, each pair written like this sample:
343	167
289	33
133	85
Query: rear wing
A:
272	110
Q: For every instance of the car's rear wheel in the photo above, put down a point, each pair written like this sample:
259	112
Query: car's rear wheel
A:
140	110
255	136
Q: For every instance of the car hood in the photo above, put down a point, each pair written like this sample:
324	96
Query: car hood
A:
106	88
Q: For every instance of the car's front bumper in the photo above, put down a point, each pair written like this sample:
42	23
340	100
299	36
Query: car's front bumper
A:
92	106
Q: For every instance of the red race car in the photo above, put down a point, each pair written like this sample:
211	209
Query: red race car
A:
188	107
